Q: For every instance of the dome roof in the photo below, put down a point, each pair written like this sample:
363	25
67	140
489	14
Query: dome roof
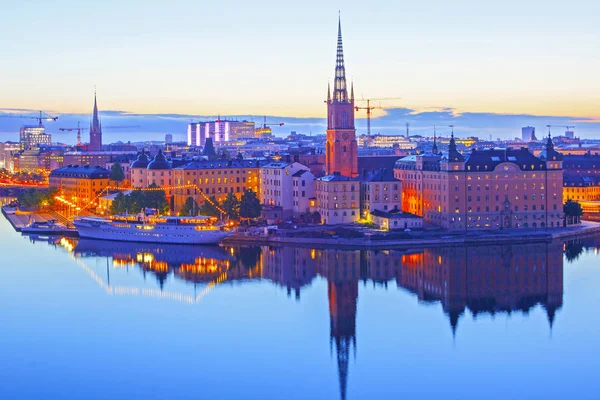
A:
141	162
159	162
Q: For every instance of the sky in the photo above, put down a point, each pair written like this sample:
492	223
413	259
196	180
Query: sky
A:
270	57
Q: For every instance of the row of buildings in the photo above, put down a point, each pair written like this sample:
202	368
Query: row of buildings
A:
489	188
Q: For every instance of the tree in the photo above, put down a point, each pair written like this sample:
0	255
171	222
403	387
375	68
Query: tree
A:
119	204
573	212
231	206
250	206
36	198
116	173
209	208
190	207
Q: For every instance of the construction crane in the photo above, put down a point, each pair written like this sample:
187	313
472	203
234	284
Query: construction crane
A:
79	129
269	124
559	126
40	118
370	108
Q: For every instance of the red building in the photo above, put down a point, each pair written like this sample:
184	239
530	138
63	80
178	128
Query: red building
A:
341	149
486	189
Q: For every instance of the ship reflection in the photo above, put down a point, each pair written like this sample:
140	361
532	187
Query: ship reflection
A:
479	280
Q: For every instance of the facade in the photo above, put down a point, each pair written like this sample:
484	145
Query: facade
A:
303	189
79	185
95	130
395	220
126	168
488	189
168	138
277	186
219	131
338	199
7	151
387	141
29	161
95	157
214	178
341	148
138	170
32	136
380	190
581	177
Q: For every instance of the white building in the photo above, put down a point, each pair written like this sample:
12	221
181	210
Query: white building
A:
338	198
277	183
303	188
219	131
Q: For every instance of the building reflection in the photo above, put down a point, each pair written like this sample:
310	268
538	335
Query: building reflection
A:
475	279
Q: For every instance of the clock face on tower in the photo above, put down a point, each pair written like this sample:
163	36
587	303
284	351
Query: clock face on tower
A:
345	136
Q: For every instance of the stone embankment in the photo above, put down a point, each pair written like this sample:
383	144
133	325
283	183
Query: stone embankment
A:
443	240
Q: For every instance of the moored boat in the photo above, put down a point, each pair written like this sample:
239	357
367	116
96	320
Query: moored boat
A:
155	229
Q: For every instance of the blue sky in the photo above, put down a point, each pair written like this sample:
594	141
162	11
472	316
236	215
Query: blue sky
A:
240	58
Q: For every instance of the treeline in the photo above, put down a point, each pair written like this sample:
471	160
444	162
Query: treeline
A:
36	197
140	199
248	207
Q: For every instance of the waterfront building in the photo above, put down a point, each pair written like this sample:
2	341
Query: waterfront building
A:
277	186
337	198
581	177
395	219
500	188
32	136
380	190
206	178
96	157
341	148
79	185
303	185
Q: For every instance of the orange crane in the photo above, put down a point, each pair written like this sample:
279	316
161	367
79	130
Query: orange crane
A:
40	118
370	108
79	129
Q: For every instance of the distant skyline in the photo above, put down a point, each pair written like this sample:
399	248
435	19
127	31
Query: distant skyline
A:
239	58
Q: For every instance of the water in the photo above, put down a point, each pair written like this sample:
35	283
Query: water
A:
101	320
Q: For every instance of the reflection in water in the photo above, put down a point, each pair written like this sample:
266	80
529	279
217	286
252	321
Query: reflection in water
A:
482	280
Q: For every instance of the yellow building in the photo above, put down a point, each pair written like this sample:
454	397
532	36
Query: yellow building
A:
338	199
79	185
214	178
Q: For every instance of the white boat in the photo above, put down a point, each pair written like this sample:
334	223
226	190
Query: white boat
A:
47	227
178	230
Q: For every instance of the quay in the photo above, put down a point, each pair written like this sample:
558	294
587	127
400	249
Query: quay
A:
444	239
20	220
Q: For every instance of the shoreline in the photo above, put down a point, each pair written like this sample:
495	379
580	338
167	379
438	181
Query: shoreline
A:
442	240
585	229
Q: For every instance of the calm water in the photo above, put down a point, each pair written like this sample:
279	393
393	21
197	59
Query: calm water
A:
102	320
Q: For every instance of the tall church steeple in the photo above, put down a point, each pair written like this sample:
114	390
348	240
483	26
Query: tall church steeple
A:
340	91
95	129
341	147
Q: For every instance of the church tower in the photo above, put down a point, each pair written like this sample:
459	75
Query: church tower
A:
95	130
341	149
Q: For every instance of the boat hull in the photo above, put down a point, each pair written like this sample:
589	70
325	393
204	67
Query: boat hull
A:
158	234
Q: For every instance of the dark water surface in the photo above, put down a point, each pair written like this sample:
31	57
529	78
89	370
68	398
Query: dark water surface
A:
103	320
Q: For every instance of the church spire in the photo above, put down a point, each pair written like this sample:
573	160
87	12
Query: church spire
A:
434	149
340	91
328	92
95	128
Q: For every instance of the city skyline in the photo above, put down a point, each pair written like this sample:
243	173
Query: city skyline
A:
153	59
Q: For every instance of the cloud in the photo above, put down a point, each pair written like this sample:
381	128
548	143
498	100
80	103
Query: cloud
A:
154	126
